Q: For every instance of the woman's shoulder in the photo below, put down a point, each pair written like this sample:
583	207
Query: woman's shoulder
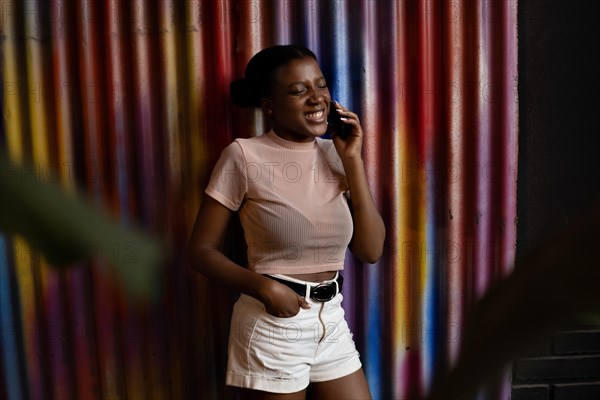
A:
239	145
257	140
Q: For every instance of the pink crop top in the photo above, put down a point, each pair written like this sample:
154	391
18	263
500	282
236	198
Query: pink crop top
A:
292	202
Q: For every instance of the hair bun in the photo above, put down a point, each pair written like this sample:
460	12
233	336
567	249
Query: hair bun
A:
243	94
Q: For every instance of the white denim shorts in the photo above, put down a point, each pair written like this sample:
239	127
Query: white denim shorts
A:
283	355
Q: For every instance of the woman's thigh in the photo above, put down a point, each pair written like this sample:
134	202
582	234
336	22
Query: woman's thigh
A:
249	394
349	387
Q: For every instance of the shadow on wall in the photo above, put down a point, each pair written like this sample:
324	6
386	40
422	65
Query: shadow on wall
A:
555	284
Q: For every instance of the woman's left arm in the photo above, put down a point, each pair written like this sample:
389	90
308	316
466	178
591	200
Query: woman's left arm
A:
369	231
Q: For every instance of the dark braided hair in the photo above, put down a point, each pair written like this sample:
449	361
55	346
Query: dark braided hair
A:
256	84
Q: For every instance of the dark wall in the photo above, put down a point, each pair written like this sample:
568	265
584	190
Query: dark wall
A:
559	117
559	171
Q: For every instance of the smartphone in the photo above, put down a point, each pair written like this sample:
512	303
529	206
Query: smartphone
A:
336	124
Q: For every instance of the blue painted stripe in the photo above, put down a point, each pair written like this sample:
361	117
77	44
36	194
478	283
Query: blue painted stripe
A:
434	327
9	349
374	332
310	23
342	76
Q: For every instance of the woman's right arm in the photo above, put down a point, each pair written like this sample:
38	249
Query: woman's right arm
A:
207	258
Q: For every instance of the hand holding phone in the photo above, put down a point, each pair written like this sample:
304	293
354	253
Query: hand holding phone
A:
336	125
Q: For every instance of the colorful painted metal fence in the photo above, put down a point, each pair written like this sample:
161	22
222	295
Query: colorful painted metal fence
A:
128	102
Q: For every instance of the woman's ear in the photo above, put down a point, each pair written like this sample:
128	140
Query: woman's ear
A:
267	107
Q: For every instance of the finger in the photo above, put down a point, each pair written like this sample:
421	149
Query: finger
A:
350	121
348	114
356	128
338	106
303	303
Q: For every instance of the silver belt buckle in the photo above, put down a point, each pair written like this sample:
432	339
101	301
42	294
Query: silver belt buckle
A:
324	292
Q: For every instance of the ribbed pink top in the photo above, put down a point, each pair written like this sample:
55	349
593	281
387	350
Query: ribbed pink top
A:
292	202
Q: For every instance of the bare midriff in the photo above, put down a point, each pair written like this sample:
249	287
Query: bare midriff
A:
314	277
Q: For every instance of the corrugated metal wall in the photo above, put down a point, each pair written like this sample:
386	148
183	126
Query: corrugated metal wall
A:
128	101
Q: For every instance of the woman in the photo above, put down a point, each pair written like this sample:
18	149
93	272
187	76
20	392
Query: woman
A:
302	201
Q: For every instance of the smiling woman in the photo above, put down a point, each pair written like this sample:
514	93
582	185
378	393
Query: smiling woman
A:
302	201
299	101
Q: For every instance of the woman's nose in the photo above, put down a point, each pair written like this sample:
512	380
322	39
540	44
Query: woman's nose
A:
316	95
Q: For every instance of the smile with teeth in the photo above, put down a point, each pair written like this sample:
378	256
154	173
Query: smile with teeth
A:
314	115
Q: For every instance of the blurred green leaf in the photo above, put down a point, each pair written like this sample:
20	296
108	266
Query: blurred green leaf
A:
65	229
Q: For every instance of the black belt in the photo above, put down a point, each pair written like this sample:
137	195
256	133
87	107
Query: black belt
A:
320	292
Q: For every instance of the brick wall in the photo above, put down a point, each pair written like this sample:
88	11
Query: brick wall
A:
567	367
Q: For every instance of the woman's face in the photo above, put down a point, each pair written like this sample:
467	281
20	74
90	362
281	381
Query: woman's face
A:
299	101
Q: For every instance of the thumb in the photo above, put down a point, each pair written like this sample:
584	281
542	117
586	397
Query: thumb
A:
303	303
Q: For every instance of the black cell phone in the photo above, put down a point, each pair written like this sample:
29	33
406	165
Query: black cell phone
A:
336	124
